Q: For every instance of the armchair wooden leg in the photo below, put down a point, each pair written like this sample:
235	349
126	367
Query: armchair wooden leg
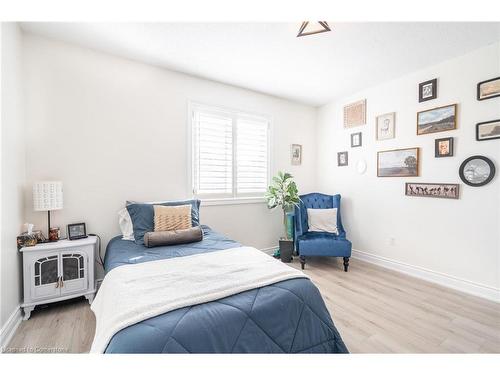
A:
346	263
302	261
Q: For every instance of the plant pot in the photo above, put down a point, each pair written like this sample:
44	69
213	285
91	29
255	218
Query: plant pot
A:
286	250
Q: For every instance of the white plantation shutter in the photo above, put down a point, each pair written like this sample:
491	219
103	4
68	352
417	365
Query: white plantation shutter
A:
251	156
213	153
230	153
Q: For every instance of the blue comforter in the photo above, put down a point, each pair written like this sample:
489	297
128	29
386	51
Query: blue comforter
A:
286	317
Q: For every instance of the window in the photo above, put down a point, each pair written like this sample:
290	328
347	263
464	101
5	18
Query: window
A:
230	153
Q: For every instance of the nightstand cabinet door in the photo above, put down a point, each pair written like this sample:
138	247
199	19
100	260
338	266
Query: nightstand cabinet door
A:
45	277
74	271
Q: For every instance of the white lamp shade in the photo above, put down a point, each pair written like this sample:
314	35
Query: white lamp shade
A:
47	196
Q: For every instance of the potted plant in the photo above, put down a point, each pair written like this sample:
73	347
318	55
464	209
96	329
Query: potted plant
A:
283	192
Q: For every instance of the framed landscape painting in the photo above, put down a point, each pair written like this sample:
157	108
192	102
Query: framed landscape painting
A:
488	130
488	89
398	163
437	120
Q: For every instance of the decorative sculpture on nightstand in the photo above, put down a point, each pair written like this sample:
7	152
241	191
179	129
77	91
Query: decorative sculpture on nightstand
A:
309	243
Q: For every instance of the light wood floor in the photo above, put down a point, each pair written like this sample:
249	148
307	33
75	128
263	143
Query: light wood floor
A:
374	309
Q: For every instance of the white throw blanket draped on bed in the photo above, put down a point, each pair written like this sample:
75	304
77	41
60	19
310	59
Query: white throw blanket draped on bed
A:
132	293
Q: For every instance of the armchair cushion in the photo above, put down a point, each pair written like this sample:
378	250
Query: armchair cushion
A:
323	244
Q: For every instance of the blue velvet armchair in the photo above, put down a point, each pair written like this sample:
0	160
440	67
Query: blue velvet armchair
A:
320	243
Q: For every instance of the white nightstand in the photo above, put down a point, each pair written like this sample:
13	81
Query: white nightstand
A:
56	271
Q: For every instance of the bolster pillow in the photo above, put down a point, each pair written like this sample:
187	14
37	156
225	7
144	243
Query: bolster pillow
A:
173	237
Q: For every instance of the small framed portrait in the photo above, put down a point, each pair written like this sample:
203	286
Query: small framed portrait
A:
385	126
77	231
488	130
296	154
427	90
477	170
342	159
488	89
356	139
443	147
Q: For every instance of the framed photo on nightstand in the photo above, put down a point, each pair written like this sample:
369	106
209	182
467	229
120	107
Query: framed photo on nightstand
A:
77	231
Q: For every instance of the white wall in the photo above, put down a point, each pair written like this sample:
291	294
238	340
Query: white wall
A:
13	169
458	238
112	129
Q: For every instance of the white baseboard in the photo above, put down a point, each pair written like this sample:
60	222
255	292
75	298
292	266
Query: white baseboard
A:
443	279
9	328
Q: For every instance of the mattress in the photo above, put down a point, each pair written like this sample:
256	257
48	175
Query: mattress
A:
285	317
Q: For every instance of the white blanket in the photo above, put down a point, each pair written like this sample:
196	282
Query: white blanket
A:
133	293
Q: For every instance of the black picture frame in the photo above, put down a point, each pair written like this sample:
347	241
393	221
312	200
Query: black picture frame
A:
482	83
421	86
478	126
450	147
341	163
80	233
462	171
360	134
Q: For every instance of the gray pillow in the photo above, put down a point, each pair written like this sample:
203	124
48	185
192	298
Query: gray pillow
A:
142	216
173	237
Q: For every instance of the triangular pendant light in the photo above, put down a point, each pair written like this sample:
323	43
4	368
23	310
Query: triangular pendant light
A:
310	28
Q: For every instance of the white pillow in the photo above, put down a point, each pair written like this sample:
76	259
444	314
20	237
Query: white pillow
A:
322	220
125	223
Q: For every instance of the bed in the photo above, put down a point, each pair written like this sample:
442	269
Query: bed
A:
286	317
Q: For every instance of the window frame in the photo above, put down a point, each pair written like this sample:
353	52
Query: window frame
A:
234	197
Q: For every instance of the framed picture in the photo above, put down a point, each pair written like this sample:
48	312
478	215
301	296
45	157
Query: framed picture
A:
443	147
355	114
437	119
77	231
477	170
356	139
427	90
488	89
398	163
434	190
296	154
342	159
488	130
385	126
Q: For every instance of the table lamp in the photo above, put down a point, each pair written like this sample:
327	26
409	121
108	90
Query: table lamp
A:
47	196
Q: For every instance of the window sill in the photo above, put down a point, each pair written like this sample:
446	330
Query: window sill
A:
231	201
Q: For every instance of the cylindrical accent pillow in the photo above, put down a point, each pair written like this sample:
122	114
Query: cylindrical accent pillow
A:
173	237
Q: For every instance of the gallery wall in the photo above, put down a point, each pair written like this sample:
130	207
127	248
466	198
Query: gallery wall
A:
453	240
112	130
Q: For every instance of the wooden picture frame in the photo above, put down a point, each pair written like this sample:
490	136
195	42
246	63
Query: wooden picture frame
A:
427	90
437	119
432	190
493	128
397	162
385	126
355	114
488	89
443	147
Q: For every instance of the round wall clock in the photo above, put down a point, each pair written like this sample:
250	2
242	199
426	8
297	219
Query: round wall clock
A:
477	170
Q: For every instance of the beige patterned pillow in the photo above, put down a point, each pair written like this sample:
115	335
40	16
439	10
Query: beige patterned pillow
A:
172	217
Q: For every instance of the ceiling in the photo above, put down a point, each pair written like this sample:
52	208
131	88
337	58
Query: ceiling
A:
269	58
